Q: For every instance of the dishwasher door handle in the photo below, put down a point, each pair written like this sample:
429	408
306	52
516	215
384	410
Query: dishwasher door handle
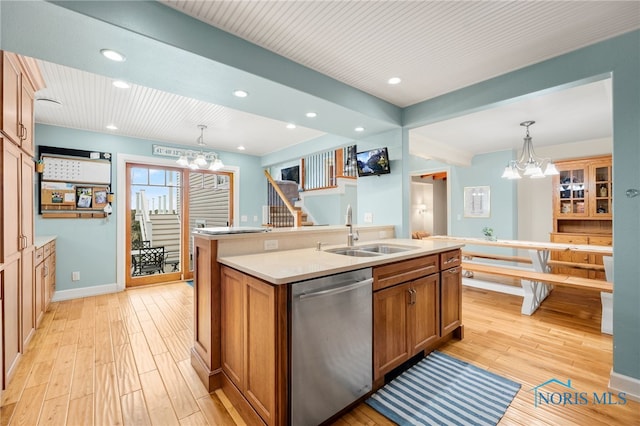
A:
337	290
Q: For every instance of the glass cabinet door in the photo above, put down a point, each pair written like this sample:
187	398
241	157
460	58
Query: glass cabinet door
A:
572	189
602	190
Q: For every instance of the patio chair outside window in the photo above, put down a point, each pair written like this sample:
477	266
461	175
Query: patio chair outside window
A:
140	244
149	260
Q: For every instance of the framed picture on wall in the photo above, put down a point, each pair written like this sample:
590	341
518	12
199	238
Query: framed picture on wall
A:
477	201
99	197
84	197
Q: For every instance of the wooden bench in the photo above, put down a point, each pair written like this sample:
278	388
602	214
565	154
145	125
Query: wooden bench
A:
555	279
536	287
522	259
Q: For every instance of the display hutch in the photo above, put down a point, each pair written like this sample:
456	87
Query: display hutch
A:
582	210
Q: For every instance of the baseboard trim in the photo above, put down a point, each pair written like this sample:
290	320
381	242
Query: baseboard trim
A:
76	293
626	384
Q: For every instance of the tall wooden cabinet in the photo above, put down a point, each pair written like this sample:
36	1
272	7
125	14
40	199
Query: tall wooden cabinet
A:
583	210
20	80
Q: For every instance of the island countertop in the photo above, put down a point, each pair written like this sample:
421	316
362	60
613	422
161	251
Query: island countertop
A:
282	267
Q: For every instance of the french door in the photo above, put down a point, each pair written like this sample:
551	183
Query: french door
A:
164	205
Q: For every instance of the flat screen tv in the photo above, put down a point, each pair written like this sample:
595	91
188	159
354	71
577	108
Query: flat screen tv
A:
373	162
291	173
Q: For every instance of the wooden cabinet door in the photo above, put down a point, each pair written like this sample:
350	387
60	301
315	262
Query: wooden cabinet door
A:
11	96
260	348
11	317
27	207
12	164
2	382
27	297
424	320
232	322
571	190
390	332
26	116
601	188
450	300
38	284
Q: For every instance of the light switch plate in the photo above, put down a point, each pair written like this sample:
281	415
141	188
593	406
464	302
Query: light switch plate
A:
368	218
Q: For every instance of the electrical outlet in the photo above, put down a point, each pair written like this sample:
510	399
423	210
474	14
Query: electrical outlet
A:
243	218
368	218
75	276
270	244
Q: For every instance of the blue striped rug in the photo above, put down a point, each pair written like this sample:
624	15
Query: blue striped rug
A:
441	390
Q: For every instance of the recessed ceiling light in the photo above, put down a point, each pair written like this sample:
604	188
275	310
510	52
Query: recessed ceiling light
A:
112	127
312	114
240	93
291	126
394	80
241	148
359	129
121	84
113	55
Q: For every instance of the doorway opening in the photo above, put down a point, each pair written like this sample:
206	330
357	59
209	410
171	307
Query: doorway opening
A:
164	205
429	204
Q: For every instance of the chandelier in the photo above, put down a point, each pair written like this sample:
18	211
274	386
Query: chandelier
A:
200	159
529	164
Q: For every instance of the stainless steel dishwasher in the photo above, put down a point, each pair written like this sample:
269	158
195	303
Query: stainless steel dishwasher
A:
332	348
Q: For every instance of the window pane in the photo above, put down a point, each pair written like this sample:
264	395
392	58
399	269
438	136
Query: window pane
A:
173	178
139	176
156	177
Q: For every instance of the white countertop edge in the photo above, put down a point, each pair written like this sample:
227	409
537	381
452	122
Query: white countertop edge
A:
41	240
304	230
289	266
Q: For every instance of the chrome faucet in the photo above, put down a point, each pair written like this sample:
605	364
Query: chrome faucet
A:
351	237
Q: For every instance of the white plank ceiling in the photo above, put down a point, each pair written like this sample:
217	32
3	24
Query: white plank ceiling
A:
433	46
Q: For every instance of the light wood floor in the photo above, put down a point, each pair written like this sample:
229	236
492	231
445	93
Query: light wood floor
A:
124	359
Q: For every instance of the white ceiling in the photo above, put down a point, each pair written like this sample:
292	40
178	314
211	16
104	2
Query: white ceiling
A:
434	46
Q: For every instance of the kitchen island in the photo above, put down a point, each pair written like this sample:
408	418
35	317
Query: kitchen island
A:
243	299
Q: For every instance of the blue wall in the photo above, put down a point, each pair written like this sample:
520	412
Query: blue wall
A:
383	195
89	245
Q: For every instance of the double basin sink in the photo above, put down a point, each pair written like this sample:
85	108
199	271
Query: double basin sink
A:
370	250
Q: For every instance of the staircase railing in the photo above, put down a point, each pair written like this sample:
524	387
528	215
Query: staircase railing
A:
287	215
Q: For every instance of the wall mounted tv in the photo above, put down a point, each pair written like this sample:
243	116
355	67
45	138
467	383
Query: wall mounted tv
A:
373	162
291	173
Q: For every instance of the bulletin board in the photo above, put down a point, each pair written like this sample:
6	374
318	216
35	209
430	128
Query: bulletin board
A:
74	183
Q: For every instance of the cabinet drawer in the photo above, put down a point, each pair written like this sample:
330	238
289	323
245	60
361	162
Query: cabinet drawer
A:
47	249
39	255
450	259
601	241
406	270
570	239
